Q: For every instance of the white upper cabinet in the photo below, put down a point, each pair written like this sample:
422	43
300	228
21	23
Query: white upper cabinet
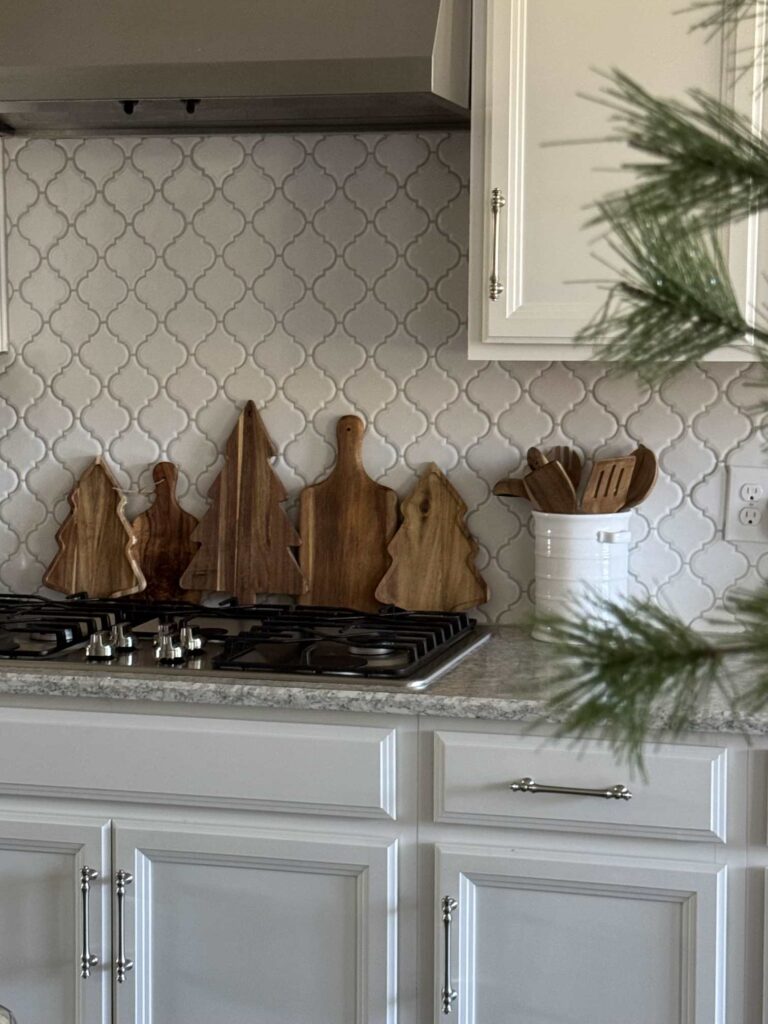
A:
533	62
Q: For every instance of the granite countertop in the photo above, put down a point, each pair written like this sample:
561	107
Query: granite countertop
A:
507	679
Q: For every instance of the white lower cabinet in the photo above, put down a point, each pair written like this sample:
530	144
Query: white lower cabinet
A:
574	939
256	929
43	910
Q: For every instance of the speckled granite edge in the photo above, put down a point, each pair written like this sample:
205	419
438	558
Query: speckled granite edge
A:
505	680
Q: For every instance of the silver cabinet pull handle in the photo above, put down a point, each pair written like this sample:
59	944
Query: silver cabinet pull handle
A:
87	958
496	288
448	994
122	963
527	785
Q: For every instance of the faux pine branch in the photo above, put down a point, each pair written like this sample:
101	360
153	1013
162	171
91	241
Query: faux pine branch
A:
716	14
707	166
673	300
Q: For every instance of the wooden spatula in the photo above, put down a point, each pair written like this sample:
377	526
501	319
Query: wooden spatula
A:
643	477
550	489
608	485
570	461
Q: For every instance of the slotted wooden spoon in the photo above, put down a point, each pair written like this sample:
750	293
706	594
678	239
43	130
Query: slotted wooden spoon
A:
608	485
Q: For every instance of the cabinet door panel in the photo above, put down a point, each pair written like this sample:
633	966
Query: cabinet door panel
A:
584	941
265	929
539	59
41	913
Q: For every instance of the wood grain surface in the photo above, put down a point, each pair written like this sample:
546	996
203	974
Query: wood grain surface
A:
164	547
97	548
550	489
346	522
245	537
608	485
433	554
643	478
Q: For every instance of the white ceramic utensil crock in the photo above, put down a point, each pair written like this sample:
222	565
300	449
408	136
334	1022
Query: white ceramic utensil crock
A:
578	557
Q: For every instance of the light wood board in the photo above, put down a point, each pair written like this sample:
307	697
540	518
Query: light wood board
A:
433	554
97	548
346	522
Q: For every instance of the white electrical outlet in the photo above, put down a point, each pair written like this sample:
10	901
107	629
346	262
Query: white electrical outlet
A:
746	505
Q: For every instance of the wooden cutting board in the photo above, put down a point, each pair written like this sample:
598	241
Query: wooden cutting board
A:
346	522
164	546
97	548
433	554
245	537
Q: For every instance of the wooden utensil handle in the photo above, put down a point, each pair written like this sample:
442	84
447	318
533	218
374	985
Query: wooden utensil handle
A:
350	431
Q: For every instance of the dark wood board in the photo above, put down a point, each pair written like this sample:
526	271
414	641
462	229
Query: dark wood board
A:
164	544
245	536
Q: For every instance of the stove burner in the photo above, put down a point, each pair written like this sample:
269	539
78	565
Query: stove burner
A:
266	639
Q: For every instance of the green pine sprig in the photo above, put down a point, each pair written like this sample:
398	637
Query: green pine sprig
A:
725	13
673	299
625	669
708	166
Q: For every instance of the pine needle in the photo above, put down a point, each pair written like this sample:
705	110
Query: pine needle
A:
673	299
622	677
709	166
726	13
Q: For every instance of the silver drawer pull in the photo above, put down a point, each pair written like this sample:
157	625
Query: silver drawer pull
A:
87	958
528	785
495	287
448	994
122	963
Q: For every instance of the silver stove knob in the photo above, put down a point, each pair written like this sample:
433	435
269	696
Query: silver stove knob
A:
122	638
99	646
189	640
167	648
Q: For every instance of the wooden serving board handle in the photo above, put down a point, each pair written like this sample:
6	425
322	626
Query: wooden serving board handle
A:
346	522
163	540
433	554
97	548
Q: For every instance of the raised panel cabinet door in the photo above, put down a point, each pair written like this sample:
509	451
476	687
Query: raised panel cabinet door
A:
250	928
578	940
54	922
535	61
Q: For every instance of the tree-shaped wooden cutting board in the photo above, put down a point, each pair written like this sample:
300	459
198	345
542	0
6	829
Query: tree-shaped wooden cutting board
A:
433	553
164	544
346	522
97	548
245	537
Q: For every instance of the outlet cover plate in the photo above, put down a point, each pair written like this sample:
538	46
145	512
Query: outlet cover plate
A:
737	528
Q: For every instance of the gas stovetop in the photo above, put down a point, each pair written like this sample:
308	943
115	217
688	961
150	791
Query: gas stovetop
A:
270	640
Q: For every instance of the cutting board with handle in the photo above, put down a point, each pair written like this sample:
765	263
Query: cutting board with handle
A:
346	523
433	554
164	544
97	547
246	540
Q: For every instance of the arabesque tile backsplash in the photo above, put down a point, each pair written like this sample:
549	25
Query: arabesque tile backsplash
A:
156	284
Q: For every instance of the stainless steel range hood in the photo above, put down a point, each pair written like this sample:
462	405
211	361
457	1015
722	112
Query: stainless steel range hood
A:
87	66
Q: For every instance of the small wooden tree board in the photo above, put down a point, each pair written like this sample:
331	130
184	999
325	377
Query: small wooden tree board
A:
163	540
245	537
346	522
433	553
97	548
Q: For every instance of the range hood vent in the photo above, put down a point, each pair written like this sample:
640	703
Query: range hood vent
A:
86	66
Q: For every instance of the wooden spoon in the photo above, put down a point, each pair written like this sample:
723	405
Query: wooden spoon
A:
570	461
643	477
536	458
510	488
550	489
608	485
